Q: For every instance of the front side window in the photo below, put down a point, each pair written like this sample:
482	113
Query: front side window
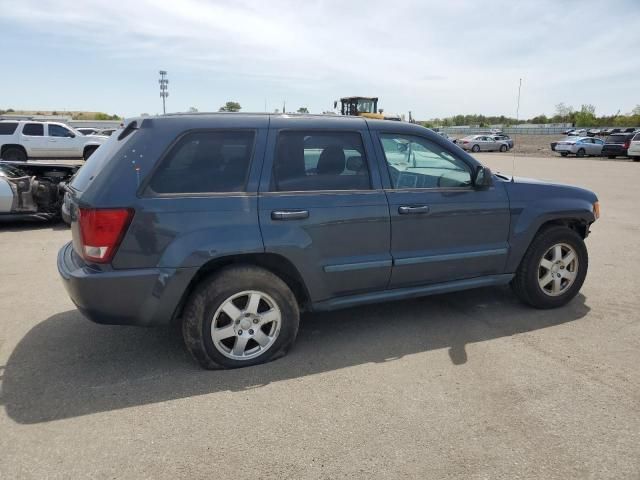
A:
33	129
58	131
415	162
313	160
205	162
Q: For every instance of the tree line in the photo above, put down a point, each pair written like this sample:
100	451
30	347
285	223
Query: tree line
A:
585	117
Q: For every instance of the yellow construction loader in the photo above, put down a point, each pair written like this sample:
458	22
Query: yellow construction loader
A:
364	107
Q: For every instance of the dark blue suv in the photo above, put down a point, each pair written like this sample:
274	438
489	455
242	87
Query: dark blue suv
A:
231	224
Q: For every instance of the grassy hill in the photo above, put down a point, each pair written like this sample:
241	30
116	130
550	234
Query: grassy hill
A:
74	114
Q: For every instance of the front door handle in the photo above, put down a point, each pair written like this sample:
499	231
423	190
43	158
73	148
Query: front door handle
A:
413	209
289	214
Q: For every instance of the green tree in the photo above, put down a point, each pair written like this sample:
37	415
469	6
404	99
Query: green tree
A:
230	107
586	116
635	111
193	110
303	110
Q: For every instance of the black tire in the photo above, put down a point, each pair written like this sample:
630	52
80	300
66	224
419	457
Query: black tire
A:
564	154
213	291
611	157
581	152
636	159
88	151
503	148
14	154
525	283
475	148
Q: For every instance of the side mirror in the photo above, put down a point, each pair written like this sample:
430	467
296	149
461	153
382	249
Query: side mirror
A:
71	135
483	177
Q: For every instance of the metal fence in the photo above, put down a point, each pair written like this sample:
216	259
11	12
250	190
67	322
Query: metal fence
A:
507	130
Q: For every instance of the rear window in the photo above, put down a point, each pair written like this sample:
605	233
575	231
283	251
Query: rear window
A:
33	129
205	162
7	128
616	138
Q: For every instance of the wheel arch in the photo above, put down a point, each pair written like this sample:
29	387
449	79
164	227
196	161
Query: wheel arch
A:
7	146
274	263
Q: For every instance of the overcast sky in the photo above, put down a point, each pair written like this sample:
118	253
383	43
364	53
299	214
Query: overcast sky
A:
434	58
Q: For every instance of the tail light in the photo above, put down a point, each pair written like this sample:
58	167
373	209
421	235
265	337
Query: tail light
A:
626	145
465	142
101	231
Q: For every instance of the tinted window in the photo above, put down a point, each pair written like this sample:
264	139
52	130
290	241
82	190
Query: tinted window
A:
415	162
33	129
616	139
58	131
7	128
637	137
204	162
306	161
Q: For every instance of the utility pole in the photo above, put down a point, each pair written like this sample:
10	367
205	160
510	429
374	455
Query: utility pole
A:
164	89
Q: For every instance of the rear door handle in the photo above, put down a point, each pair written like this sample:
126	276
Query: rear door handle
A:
413	209
289	214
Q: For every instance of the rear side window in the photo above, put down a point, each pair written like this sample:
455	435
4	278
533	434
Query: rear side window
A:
205	162
313	160
33	129
7	128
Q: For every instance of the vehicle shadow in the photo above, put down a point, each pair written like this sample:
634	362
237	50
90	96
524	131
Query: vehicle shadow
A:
67	366
11	225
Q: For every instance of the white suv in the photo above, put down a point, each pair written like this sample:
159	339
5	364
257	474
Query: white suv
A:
25	139
634	147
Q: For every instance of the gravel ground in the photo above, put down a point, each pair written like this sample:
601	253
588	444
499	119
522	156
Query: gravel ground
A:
467	385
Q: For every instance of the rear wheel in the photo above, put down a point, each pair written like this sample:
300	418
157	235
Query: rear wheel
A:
581	152
475	148
14	154
636	159
611	157
503	148
240	317
553	269
564	154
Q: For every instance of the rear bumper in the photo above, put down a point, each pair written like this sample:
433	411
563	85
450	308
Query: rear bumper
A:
144	297
617	151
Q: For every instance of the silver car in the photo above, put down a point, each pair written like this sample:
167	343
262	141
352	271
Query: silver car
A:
581	146
482	143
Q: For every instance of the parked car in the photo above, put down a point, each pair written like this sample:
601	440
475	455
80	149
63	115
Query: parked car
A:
568	130
107	132
577	133
611	131
592	132
86	130
581	146
629	130
504	138
26	139
482	143
445	136
32	190
634	147
231	225
617	145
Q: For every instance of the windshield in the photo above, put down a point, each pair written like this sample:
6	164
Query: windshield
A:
366	106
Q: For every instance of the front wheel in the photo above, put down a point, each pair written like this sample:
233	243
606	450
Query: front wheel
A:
239	317
503	148
553	269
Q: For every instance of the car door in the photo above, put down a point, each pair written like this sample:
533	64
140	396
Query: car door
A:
33	139
598	143
442	227
62	141
321	206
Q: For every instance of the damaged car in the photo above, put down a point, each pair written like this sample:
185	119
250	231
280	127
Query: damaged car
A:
33	190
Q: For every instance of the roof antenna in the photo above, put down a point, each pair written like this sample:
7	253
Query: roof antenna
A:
513	162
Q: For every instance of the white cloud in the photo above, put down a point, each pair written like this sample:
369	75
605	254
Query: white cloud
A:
435	58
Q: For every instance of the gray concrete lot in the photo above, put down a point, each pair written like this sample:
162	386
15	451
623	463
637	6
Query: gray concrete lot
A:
466	385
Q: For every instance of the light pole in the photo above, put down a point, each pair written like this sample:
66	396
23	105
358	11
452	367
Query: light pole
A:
164	89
